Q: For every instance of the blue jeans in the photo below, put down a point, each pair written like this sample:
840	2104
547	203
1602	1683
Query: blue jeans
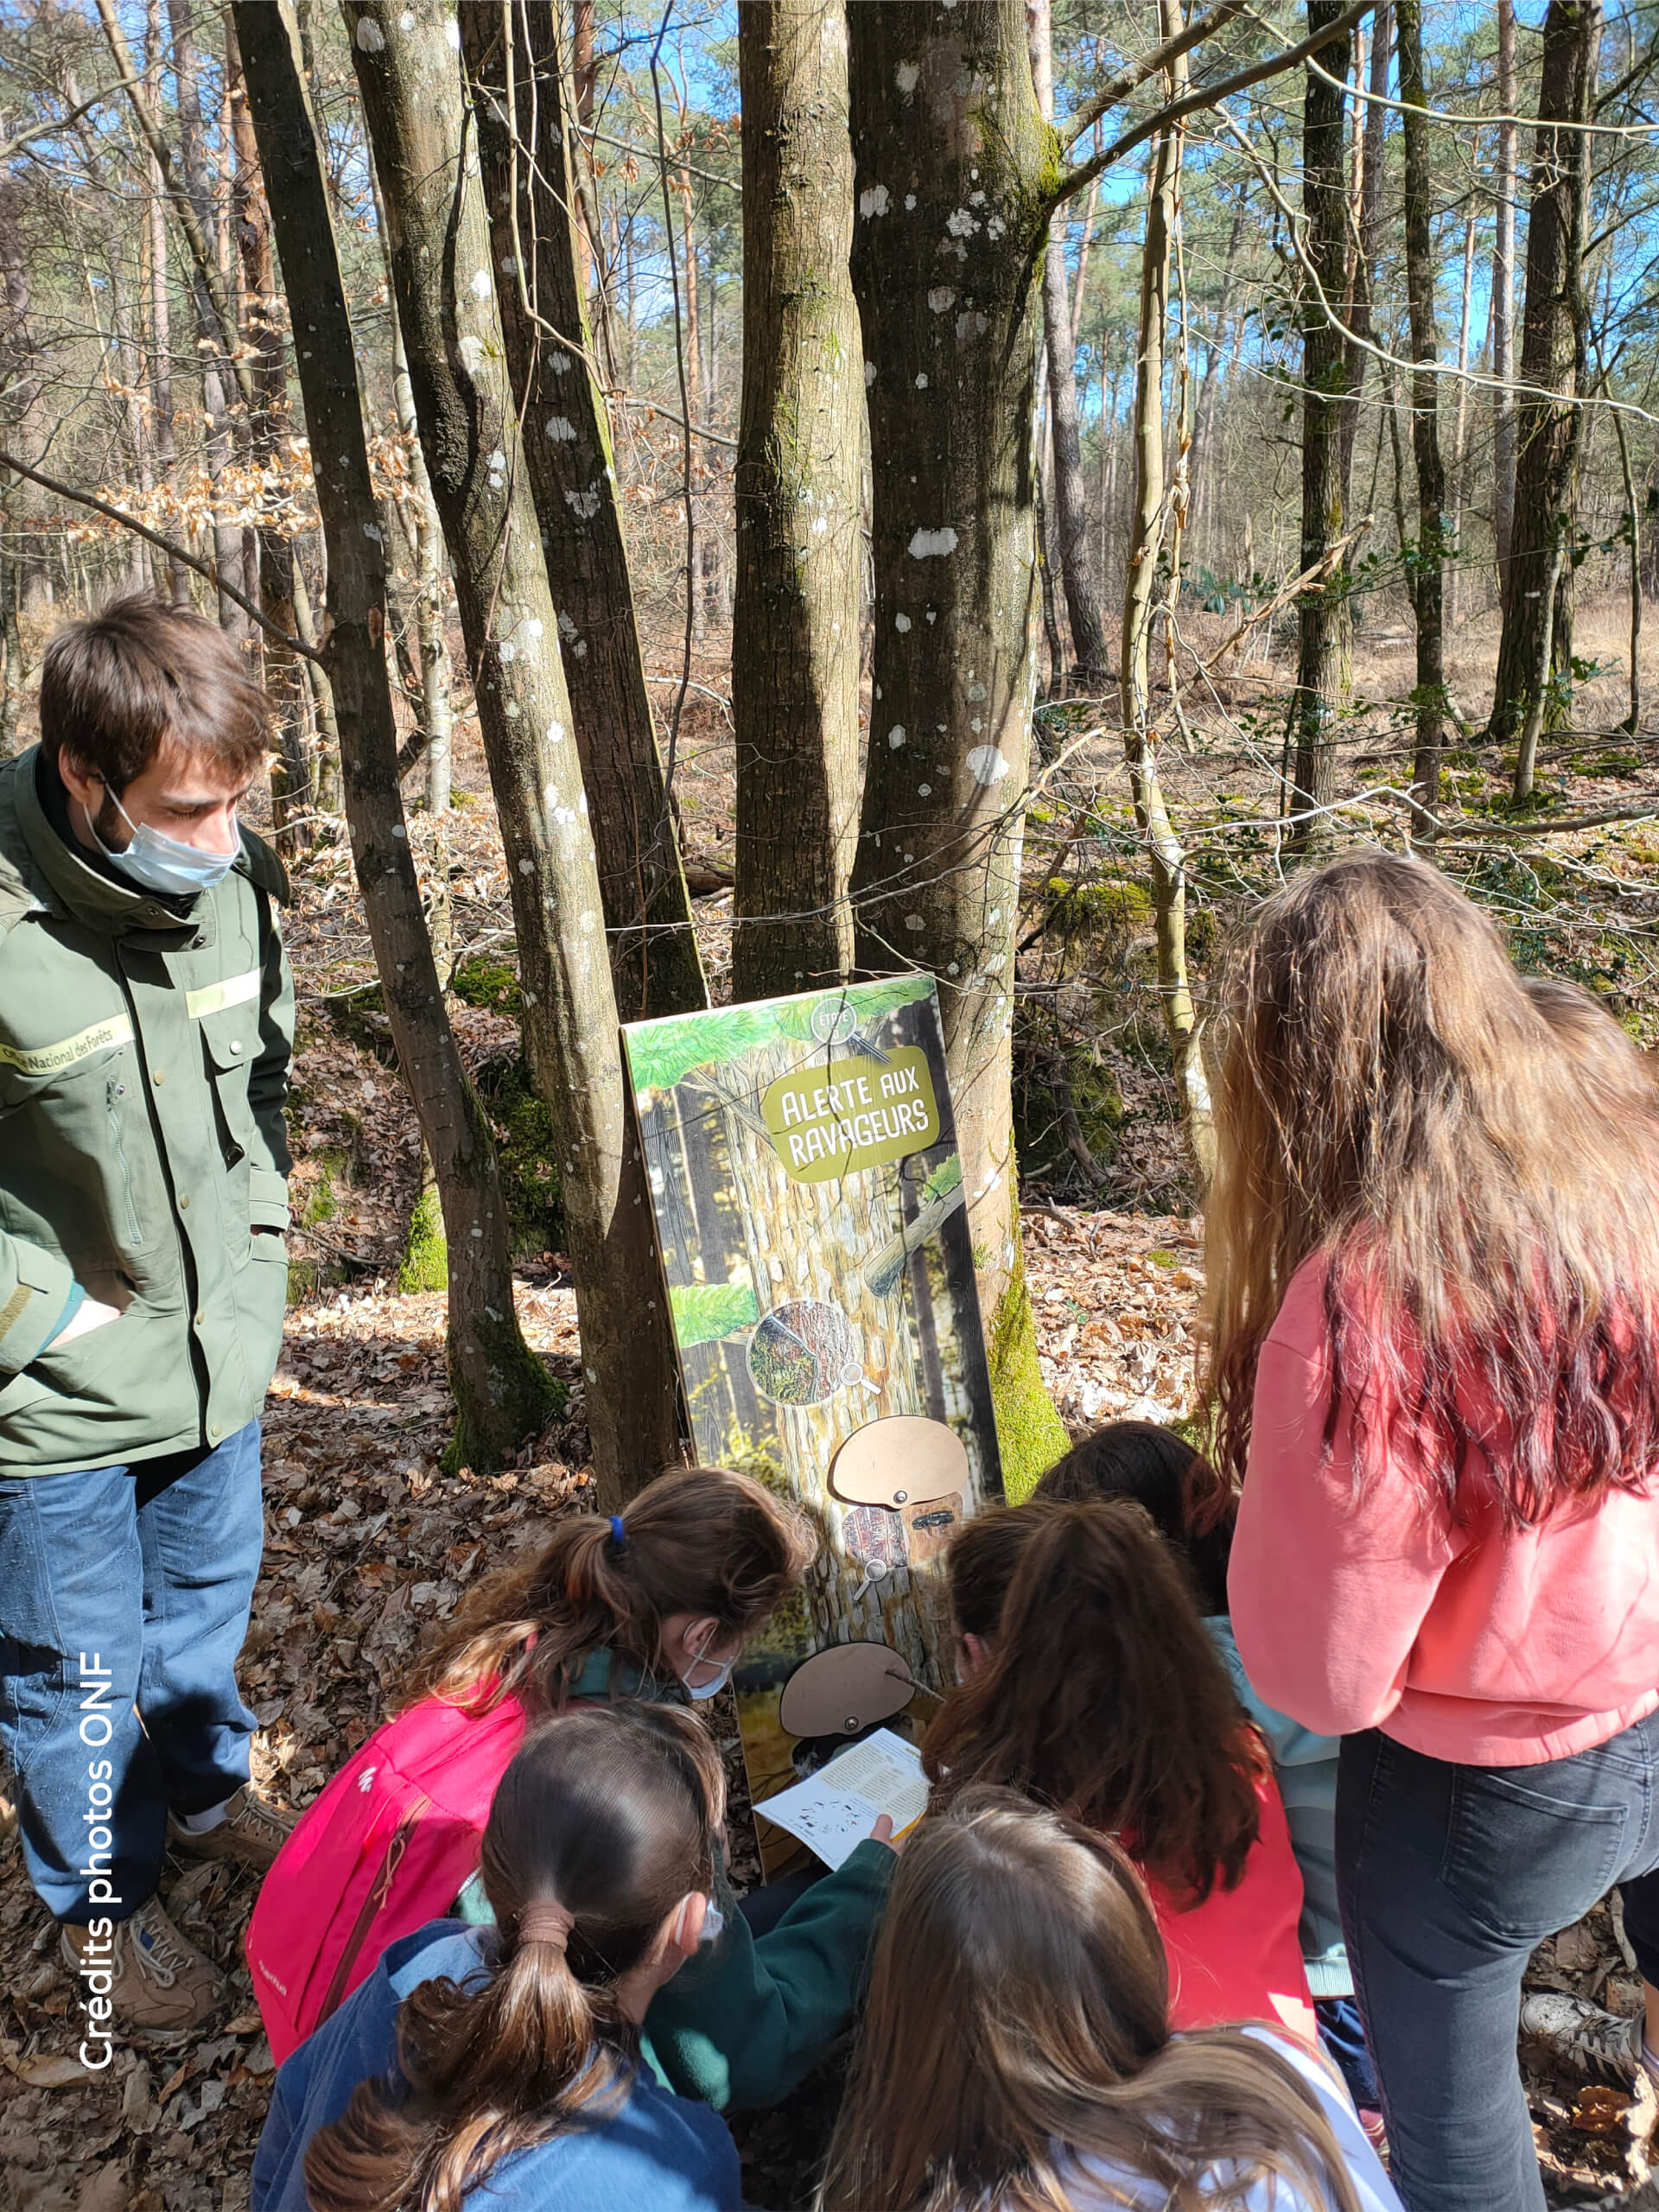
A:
123	1602
1449	1876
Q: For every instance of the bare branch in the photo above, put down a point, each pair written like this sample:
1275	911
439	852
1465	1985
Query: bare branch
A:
204	569
1117	89
1206	96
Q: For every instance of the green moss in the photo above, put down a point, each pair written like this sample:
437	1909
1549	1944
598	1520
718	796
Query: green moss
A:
324	1201
517	1398
530	1181
482	981
1030	1435
426	1255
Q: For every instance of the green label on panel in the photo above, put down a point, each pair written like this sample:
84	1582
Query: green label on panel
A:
855	1113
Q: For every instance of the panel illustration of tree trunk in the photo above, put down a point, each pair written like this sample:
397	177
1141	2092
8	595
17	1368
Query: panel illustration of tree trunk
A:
532	198
799	494
1426	573
805	1310
953	167
502	1391
442	264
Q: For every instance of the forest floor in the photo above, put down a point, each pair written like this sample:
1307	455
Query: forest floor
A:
368	1545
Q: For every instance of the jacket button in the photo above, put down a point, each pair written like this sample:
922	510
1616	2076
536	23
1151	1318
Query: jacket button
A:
197	1318
215	1432
158	1078
184	1200
236	1044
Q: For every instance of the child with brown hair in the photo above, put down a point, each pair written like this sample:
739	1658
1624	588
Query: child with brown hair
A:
1017	2053
654	1604
1194	1511
1099	1694
513	2067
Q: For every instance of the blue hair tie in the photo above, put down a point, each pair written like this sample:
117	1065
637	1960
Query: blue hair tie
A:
616	1528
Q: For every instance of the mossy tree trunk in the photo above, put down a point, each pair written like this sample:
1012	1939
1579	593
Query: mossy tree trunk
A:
799	497
502	1391
955	175
1549	422
442	267
512	62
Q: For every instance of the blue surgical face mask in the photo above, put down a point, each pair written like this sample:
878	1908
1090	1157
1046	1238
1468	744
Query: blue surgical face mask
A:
700	1690
156	862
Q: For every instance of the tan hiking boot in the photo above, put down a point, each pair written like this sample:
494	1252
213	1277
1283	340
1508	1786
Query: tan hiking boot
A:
1584	2036
252	1833
158	1982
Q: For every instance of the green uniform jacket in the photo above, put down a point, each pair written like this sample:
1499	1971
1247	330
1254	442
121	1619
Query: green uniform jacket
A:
145	1046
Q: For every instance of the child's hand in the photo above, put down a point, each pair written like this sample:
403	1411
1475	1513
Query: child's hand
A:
882	1833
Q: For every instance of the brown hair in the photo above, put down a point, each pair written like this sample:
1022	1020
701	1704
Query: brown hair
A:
610	1815
1484	1206
1018	2023
980	1565
1590	1033
698	1540
1105	1697
1191	1507
118	687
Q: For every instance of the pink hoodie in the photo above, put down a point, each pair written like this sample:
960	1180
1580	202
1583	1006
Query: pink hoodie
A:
1378	1611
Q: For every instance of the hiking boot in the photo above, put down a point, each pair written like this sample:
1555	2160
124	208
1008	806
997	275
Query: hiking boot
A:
1583	2035
252	1833
159	1983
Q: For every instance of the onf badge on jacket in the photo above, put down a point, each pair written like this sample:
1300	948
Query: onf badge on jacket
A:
144	1044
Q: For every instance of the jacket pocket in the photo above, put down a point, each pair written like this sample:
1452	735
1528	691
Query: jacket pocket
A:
114	1090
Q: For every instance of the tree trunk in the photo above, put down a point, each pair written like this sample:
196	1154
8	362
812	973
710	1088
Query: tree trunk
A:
1633	523
799	506
1203	414
1070	535
952	157
1459	444
292	788
1151	507
567	449
1371	137
1322	611
1425	569
1504	299
464	397
502	1391
1549	423
161	332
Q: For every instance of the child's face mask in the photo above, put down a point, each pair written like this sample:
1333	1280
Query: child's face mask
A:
717	1681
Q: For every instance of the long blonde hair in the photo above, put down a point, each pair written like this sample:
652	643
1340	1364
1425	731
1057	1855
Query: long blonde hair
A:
1018	2023
1392	1099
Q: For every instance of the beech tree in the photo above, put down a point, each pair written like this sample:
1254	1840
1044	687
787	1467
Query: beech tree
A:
525	153
1425	563
502	1391
795	637
442	261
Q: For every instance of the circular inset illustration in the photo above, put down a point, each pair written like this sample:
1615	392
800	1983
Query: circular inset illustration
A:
802	1352
899	1461
842	1690
833	1021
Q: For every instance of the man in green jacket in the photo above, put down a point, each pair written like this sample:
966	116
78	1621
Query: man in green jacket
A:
146	1024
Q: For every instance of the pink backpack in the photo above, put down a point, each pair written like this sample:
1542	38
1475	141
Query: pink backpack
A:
385	1848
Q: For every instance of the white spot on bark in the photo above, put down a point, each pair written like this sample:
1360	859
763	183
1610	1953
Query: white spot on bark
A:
869	374
910	202
874	200
901	622
498	459
526	868
896	735
924	791
932	545
370	36
470	347
970	325
567	629
578	651
555	733
942	299
533	627
586	924
914	922
581	804
975	691
584	503
561	429
961	224
975	199
481	284
905	76
506	649
977	724
559	362
819	527
932	616
921	385
995	228
987	765
507	264
372	531
452	34
406	21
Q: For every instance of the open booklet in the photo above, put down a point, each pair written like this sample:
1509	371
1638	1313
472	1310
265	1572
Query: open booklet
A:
835	1809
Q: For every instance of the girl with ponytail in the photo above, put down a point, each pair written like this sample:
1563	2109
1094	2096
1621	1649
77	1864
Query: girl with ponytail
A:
654	1603
1016	2053
509	2067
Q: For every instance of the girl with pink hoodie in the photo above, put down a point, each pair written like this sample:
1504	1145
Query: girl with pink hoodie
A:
1434	1311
